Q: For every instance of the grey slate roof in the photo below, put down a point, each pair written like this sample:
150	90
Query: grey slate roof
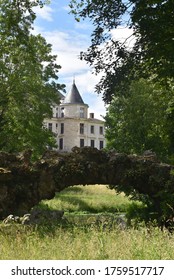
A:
73	96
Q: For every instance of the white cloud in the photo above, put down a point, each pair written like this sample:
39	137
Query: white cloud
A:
83	26
67	47
66	8
68	41
44	13
124	35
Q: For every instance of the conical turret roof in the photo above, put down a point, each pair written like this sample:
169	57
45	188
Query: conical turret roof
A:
73	96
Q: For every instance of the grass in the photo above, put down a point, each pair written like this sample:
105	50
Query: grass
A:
85	244
89	199
75	240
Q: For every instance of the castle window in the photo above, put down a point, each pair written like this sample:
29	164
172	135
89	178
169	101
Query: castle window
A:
92	129
82	143
81	128
61	144
101	130
62	114
101	144
92	143
50	126
82	112
57	113
61	128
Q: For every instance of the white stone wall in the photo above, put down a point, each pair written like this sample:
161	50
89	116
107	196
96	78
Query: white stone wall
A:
97	136
71	121
74	110
70	110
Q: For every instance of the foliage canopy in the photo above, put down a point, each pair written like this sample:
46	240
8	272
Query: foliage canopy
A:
152	24
28	84
137	79
139	121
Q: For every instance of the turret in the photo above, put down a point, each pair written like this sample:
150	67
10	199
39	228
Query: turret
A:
73	105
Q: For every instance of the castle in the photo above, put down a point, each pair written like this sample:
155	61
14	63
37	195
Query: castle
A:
72	126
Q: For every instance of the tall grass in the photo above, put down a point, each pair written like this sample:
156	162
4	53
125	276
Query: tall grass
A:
71	239
85	243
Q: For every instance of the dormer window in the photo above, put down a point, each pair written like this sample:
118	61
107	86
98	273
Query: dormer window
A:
91	115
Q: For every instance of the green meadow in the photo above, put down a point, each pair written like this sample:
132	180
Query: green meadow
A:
88	230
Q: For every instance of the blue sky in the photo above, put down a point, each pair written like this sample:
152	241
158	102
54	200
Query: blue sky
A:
68	38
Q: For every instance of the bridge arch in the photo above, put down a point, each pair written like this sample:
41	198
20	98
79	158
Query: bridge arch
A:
23	184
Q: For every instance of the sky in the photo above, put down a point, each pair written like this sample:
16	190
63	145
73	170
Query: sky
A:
68	38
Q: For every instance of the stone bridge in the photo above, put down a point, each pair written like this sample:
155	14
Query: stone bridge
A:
24	184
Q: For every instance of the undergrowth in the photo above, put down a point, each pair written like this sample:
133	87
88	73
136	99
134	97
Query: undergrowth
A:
88	230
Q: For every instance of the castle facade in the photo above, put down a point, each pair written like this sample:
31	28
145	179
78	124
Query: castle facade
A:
72	126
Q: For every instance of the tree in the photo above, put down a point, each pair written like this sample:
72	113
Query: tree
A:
137	82
138	121
28	74
152	22
151	57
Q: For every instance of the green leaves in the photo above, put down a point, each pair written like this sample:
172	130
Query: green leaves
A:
136	80
28	73
138	121
152	23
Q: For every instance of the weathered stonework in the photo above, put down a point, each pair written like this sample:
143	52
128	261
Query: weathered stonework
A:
23	186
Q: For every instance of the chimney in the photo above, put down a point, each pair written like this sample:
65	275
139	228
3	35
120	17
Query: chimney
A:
91	115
